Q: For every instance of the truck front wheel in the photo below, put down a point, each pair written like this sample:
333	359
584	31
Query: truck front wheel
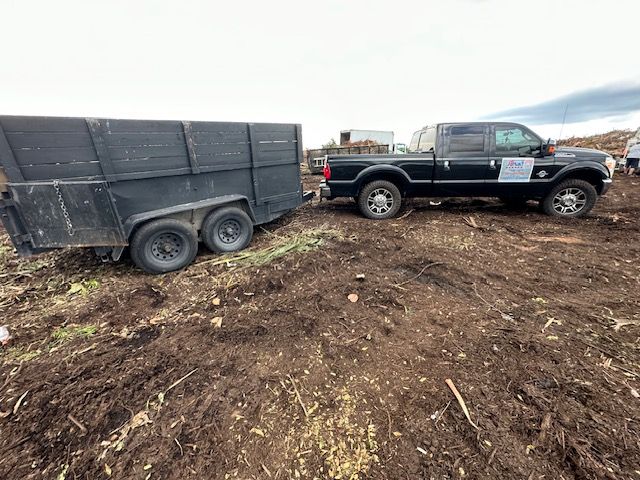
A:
227	229
571	198
164	245
379	199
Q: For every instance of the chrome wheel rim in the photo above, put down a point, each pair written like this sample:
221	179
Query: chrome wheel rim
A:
380	201
166	247
569	201
229	231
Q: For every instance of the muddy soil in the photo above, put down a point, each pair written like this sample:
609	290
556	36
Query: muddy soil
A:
273	371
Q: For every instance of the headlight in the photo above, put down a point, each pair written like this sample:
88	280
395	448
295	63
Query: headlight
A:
610	162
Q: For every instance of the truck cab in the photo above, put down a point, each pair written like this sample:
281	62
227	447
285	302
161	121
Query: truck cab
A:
468	158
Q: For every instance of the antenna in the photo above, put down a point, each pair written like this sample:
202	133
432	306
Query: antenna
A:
564	117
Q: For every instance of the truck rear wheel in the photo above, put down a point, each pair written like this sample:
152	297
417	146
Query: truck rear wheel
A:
571	198
379	199
164	245
227	229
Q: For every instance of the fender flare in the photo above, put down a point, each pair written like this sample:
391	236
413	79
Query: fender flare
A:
585	166
378	169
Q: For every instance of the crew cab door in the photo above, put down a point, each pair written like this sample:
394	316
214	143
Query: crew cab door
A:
516	165
461	163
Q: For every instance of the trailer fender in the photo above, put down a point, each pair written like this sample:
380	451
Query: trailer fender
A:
204	205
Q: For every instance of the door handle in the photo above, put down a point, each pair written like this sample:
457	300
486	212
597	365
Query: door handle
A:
446	165
492	164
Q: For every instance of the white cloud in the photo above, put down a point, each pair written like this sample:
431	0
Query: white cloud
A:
329	65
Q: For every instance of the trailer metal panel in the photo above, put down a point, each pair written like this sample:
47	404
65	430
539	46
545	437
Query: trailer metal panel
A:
87	218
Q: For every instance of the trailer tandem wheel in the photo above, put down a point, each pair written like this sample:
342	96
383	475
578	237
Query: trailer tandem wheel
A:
164	245
227	229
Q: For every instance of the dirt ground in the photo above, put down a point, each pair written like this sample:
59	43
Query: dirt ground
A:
269	370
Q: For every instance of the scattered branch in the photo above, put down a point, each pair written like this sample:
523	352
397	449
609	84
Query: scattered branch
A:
490	305
405	215
461	402
471	222
19	402
178	382
77	423
442	413
418	275
295	389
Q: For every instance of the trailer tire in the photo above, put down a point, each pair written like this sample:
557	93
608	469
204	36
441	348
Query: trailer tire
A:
164	245
379	199
227	229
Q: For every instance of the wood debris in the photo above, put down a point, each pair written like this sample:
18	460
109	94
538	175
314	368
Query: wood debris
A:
453	388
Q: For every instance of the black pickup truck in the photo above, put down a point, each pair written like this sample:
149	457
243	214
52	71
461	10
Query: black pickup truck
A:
480	159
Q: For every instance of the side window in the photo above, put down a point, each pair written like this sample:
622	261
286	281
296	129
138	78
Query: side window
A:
512	139
467	138
427	140
413	146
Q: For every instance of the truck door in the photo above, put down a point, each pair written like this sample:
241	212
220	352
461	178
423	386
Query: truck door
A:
516	167
461	161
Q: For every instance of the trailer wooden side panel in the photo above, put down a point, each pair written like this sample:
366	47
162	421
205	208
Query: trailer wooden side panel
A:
70	148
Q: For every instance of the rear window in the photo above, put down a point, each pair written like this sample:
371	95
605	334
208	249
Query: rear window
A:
413	146
427	140
466	138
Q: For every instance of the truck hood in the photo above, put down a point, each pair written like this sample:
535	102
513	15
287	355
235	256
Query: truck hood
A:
580	153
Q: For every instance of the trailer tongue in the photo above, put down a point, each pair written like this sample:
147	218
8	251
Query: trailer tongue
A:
158	186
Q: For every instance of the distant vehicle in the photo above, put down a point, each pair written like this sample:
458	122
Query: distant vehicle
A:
154	186
495	159
381	137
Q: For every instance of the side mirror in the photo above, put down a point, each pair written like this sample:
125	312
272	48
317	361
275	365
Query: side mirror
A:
549	148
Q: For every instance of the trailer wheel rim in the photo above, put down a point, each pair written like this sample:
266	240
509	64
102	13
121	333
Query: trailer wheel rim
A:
569	201
229	231
380	201
167	247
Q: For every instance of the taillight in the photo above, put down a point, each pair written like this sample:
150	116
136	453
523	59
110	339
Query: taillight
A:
326	171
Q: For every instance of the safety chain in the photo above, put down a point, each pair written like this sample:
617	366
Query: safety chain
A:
63	207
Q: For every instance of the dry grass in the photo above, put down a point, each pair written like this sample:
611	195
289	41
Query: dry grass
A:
59	337
299	242
26	279
64	334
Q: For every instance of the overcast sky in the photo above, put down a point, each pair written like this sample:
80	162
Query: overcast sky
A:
329	65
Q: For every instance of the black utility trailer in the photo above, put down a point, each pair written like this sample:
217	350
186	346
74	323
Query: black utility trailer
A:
155	186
